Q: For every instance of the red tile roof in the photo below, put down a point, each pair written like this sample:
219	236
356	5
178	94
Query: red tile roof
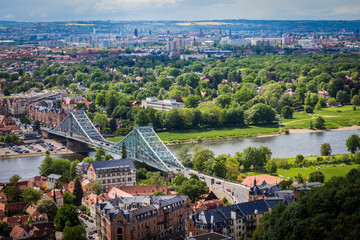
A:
143	190
249	181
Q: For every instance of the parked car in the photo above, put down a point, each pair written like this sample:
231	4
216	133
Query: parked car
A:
218	182
228	190
201	177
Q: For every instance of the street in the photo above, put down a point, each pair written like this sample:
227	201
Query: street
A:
238	192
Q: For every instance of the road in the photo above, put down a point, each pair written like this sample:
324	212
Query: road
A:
91	227
238	192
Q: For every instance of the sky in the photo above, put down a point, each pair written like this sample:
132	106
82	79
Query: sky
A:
183	10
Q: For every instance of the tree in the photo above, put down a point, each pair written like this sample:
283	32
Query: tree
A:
287	112
320	214
184	155
219	168
5	229
342	97
156	179
98	187
192	101
271	166
355	100
30	194
78	192
74	233
317	176
123	151
353	143
142	118
164	82
325	149
73	169
285	184
101	120
201	157
299	159
6	91
13	194
232	168
320	123
194	189
15	178
111	103
100	154
332	102
66	216
47	206
180	179
158	193
68	198
260	113
309	109
72	87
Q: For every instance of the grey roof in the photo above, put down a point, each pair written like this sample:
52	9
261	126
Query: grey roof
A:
83	164
114	163
54	176
220	217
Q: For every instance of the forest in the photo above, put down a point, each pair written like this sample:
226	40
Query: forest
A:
222	92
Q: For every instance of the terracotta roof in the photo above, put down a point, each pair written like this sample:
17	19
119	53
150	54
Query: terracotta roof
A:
143	190
16	232
249	181
117	192
3	197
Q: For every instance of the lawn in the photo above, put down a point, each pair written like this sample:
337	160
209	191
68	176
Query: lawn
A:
115	139
334	117
329	170
217	133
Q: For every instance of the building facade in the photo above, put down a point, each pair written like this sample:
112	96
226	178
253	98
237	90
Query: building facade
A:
162	105
142	217
238	220
111	173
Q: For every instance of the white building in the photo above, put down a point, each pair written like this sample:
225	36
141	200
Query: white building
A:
162	105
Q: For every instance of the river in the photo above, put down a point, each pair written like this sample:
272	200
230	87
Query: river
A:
282	146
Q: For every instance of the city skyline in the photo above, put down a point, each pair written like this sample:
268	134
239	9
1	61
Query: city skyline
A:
180	10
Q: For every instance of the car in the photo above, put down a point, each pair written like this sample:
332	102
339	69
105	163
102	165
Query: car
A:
228	190
91	220
85	225
7	152
201	177
218	182
90	237
178	169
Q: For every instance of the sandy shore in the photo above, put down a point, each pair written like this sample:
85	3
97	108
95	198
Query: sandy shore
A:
325	130
36	154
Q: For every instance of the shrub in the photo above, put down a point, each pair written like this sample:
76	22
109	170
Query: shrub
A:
309	109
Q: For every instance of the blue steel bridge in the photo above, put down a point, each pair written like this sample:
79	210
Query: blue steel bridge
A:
142	143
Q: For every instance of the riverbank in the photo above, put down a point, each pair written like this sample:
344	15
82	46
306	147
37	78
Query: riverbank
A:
291	131
35	154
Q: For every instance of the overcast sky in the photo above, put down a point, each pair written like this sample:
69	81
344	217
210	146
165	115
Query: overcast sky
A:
73	10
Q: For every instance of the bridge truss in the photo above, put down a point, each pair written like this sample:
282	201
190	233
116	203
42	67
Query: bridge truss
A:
142	143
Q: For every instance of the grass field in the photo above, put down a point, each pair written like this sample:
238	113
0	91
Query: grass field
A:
217	133
114	139
334	117
329	170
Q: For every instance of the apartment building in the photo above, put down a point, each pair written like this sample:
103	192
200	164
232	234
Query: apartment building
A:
162	105
142	217
234	221
111	173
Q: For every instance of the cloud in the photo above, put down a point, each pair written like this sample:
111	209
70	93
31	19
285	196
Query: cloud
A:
9	16
113	5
